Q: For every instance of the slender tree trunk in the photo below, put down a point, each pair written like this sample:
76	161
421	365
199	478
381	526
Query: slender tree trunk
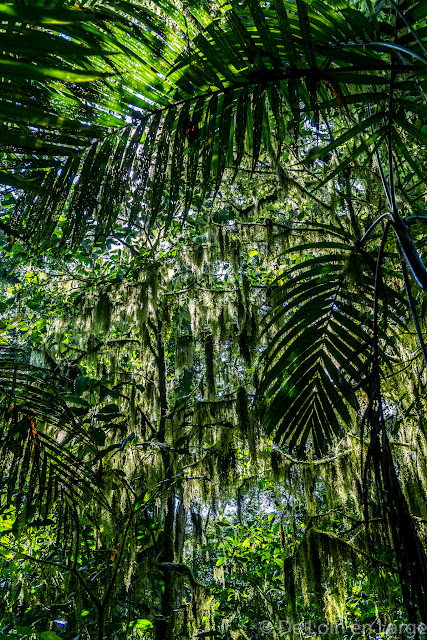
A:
164	626
100	623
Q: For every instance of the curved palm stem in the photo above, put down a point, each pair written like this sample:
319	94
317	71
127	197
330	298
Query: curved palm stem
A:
404	240
371	228
412	219
413	310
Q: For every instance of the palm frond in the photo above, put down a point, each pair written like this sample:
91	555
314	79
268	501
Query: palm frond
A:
319	354
41	442
122	139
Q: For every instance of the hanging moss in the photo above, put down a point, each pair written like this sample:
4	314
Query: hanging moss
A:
242	410
245	421
244	347
194	316
226	462
252	328
141	305
223	325
197	522
198	256
311	576
152	394
132	407
153	284
102	312
165	317
275	461
241	310
209	362
246	287
235	256
221	245
269	235
309	484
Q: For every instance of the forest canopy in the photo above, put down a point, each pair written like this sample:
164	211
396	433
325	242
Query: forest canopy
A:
212	316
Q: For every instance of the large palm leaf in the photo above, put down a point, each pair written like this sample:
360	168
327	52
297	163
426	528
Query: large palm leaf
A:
176	108
71	82
321	353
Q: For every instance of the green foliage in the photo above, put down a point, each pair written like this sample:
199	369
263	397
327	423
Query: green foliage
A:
212	229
